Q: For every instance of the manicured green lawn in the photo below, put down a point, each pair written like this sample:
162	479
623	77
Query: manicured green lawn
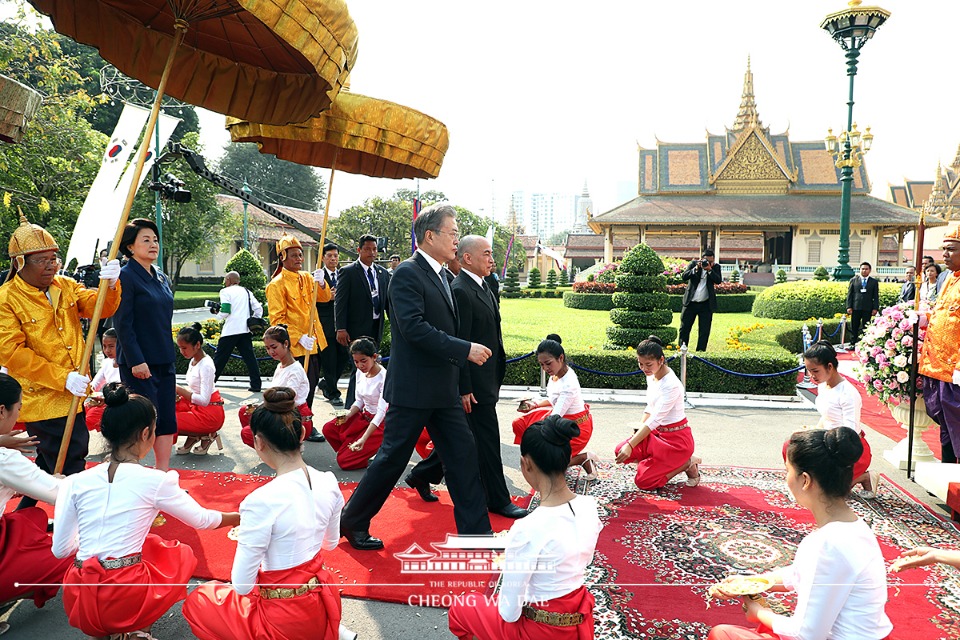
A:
189	299
526	322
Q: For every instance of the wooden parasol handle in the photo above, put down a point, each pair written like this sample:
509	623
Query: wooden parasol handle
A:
323	237
181	30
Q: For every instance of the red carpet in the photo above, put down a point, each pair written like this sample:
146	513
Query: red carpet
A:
659	551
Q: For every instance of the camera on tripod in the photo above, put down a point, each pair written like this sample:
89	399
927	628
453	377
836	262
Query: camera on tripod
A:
171	188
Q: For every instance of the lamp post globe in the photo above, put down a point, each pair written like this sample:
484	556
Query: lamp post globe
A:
851	28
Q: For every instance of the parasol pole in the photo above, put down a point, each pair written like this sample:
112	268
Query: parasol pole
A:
181	30
915	360
323	237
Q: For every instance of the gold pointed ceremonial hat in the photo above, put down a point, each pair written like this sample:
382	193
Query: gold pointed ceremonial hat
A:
358	134
953	236
275	61
30	238
287	241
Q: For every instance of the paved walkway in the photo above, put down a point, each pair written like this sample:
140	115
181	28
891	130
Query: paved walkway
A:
726	435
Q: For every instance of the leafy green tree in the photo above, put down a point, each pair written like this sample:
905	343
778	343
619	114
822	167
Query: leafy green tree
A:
49	172
511	284
251	273
194	230
552	279
277	181
564	277
533	279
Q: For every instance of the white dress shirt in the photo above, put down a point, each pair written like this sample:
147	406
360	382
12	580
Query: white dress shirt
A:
375	292
292	376
96	517
200	380
286	522
841	584
19	475
235	322
701	294
107	373
839	406
547	554
664	400
369	393
564	394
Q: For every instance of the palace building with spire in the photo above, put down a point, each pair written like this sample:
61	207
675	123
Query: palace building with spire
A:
756	198
939	197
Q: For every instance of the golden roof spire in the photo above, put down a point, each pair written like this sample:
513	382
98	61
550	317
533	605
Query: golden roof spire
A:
937	202
748	107
956	160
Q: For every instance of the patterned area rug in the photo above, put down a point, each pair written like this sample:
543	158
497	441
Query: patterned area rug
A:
659	551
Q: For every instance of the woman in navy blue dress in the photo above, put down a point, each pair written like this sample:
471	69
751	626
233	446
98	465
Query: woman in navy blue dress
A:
145	348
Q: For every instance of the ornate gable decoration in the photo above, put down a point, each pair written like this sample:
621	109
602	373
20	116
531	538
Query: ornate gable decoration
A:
752	167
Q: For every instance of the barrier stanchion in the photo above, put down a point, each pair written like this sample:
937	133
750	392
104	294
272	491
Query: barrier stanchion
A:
807	383
843	347
543	383
683	375
819	330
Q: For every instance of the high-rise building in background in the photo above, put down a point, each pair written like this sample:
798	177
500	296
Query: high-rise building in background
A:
583	205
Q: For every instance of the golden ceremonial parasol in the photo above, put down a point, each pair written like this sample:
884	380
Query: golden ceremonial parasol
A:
358	134
18	103
276	60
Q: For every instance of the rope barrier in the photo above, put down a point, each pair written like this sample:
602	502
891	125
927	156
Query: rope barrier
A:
835	331
749	375
611	373
519	358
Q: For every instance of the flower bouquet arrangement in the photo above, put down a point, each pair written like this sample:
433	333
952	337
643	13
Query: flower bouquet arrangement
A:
885	355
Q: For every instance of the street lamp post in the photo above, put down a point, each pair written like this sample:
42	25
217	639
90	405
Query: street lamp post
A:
246	191
851	28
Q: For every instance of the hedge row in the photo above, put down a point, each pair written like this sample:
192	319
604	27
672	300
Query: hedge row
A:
640	284
591	301
700	377
812	299
726	303
190	286
541	293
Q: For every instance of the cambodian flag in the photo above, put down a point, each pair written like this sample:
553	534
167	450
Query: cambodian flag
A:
413	237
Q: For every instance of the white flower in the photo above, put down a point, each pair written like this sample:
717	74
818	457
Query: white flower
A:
902	376
900	361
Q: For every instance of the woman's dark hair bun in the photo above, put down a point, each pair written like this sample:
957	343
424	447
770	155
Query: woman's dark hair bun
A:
115	394
843	445
559	430
653	338
197	326
555	338
279	399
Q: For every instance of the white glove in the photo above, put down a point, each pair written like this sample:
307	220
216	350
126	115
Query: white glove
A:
956	376
110	272
77	384
307	342
319	279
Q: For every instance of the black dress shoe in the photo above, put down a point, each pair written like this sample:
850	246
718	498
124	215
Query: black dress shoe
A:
422	487
510	510
316	436
361	540
336	401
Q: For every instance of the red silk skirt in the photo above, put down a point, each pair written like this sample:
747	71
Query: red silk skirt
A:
26	558
860	467
101	602
583	419
93	415
659	454
246	433
340	436
195	420
215	611
480	618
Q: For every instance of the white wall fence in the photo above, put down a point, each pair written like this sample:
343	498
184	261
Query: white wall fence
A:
798	272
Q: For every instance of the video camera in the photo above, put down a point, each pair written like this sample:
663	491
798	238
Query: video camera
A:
171	188
88	275
213	305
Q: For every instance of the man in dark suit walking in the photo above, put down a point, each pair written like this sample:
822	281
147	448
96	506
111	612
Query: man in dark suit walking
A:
479	384
700	298
422	386
360	302
863	300
908	290
333	359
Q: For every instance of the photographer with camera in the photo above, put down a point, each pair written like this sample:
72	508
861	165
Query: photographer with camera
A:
240	312
700	298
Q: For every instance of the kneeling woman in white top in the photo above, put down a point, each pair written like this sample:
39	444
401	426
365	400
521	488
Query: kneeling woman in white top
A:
838	572
560	533
124	577
289	374
663	445
357	436
285	526
199	405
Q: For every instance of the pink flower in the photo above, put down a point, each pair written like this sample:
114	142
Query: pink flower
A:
874	352
890	344
878	385
892	384
908	341
897	333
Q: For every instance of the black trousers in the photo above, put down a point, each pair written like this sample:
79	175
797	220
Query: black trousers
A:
701	312
313	375
454	441
333	360
242	342
50	434
486	431
859	320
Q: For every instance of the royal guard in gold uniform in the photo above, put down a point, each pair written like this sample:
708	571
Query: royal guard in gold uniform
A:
940	357
41	341
291	300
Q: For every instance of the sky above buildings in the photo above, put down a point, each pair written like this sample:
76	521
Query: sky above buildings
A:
541	95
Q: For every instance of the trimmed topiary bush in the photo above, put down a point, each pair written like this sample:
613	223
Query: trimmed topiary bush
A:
802	300
251	273
734	276
821	273
533	279
641	302
591	301
781	276
511	284
552	279
565	277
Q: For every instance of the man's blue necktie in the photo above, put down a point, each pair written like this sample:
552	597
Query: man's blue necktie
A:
373	291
